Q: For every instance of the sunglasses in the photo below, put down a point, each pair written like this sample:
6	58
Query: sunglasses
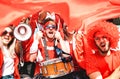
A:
6	32
50	26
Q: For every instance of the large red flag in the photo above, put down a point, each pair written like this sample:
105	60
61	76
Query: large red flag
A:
79	10
78	14
12	12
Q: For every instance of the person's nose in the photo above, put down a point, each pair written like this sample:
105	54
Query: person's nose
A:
8	34
51	28
101	39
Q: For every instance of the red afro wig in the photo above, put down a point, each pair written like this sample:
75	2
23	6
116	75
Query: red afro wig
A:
109	29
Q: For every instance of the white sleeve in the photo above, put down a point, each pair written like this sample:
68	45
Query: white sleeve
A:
34	47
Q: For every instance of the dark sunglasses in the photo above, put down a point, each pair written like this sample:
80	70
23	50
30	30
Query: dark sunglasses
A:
6	32
50	26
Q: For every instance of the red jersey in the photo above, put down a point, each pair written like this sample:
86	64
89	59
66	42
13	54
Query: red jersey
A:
50	50
104	64
49	47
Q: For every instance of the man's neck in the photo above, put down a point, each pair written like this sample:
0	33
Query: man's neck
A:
50	39
105	54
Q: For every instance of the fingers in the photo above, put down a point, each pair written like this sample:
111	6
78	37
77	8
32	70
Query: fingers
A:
38	35
58	35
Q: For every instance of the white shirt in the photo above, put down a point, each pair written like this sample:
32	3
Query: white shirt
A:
8	66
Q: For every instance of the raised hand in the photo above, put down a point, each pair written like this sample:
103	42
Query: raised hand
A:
58	35
38	35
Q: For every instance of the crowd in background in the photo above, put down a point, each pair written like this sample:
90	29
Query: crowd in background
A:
53	52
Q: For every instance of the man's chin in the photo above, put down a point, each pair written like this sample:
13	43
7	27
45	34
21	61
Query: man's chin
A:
50	37
104	51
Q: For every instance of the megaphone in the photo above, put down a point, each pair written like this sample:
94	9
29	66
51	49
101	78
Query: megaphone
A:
22	32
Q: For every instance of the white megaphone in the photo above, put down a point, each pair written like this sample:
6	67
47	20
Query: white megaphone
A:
22	32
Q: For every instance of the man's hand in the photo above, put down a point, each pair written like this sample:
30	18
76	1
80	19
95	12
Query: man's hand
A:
58	35
38	35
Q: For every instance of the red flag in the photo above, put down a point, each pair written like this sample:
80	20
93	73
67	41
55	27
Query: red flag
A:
78	14
12	10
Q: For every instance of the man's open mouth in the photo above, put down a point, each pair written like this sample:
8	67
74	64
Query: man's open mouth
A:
50	32
102	44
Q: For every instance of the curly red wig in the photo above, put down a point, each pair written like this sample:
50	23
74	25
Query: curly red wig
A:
109	29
